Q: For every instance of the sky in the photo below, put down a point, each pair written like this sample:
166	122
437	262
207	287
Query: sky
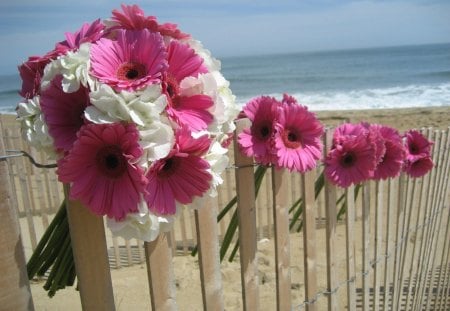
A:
232	27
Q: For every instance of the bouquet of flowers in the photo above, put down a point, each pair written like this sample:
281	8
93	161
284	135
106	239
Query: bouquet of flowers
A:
365	151
137	115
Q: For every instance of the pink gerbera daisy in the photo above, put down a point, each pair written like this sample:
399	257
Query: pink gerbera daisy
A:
179	177
350	162
63	112
133	61
342	132
297	138
87	33
418	166
191	111
101	168
393	157
258	140
417	145
133	18
31	73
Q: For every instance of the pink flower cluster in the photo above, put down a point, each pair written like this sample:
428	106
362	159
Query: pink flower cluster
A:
282	133
136	112
364	151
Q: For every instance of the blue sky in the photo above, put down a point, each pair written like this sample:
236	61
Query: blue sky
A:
235	27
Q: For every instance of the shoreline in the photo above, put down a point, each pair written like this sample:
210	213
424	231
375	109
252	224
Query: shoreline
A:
400	118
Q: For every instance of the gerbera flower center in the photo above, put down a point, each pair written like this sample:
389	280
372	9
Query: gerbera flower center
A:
110	161
168	167
263	131
413	149
291	139
130	71
348	160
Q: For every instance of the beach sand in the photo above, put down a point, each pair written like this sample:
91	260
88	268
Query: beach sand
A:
130	283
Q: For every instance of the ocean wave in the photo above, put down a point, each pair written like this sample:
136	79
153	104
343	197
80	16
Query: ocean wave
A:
392	97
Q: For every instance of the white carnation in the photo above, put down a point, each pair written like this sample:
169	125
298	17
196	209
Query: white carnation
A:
208	60
34	128
74	68
141	107
157	139
141	225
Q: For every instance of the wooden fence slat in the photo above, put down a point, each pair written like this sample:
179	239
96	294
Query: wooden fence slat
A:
389	242
436	225
15	291
366	243
209	256
161	279
379	211
331	219
422	276
281	233
245	189
350	250
443	285
91	257
309	239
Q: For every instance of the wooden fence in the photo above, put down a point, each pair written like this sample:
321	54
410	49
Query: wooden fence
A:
390	251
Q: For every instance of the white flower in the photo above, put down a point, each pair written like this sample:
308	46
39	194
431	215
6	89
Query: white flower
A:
210	62
218	161
34	128
74	68
141	107
141	225
157	139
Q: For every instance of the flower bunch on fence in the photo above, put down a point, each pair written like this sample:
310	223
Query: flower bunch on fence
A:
284	134
138	116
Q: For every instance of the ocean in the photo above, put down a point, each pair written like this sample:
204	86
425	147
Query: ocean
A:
389	77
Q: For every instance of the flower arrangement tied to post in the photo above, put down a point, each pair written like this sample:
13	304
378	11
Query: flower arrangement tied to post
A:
137	115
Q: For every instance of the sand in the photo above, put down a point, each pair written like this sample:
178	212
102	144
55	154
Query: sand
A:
130	283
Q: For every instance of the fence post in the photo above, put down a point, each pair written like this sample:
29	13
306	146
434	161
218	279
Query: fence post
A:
14	286
309	239
209	256
245	189
161	281
282	246
87	235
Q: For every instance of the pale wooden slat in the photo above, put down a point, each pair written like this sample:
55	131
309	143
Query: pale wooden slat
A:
268	205
182	221
446	237
209	256
413	265
379	210
389	243
161	279
331	215
437	219
281	233
309	239
116	248
91	257
15	291
422	276
409	199
350	250
245	188
366	243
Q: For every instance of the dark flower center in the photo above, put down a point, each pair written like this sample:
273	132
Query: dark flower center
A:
348	160
263	130
130	71
291	139
110	161
413	149
168	167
